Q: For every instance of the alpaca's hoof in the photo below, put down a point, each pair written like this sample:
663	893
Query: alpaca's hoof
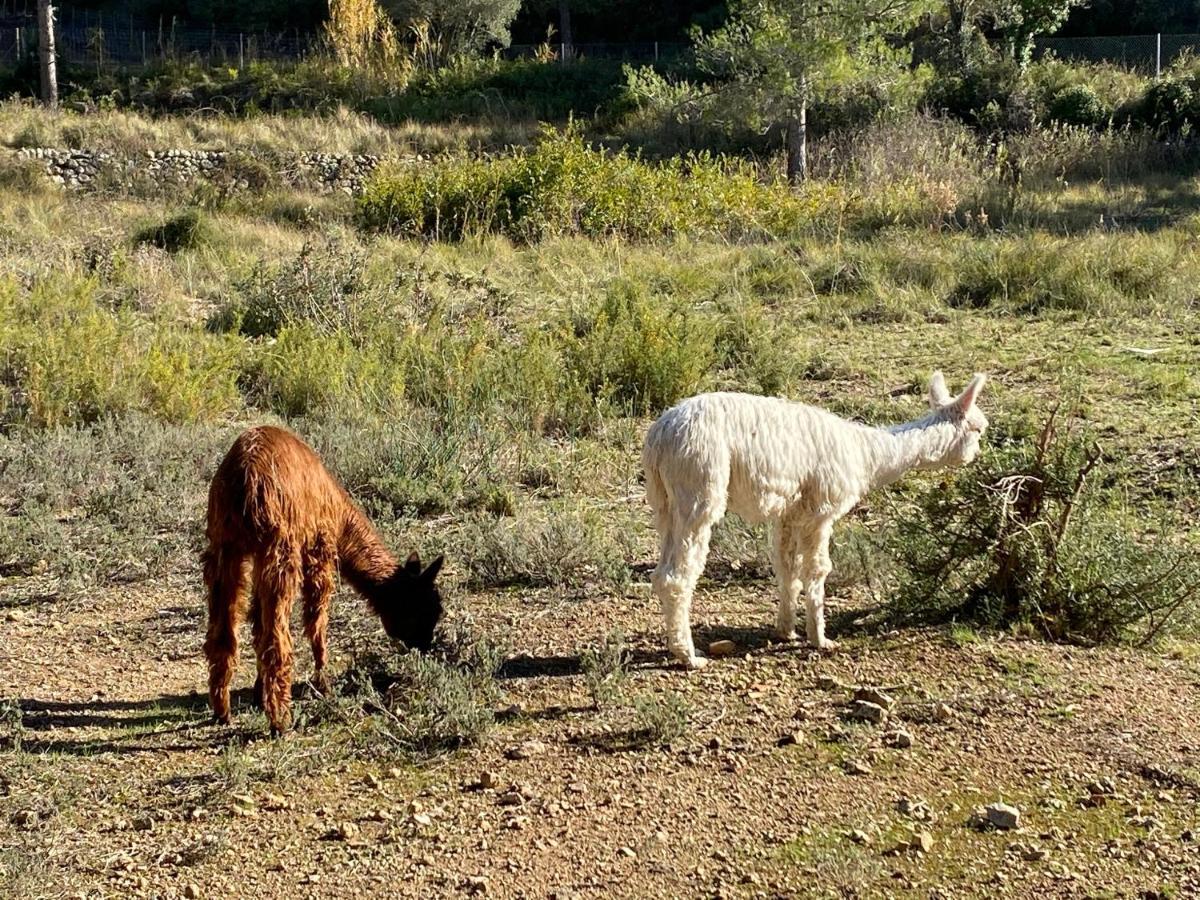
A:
223	720
788	636
321	685
695	663
828	646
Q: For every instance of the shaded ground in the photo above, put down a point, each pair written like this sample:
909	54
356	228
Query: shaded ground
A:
122	785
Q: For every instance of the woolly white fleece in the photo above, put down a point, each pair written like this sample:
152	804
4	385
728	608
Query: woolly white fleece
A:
796	466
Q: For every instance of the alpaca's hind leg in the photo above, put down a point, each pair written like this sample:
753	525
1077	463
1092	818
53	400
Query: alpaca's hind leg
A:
786	561
814	544
318	593
256	633
225	579
684	552
276	584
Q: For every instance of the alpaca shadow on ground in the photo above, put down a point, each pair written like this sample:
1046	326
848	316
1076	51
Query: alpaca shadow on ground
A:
135	726
31	600
630	740
525	666
761	639
48	715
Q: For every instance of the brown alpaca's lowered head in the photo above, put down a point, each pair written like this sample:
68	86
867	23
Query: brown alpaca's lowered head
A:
409	604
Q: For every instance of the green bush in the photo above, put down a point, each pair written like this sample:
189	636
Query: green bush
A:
69	358
1171	106
186	230
567	187
322	286
606	668
305	371
416	704
640	352
1113	86
567	548
1079	105
1096	274
1028	536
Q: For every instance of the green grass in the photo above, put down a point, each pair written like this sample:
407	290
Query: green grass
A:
493	388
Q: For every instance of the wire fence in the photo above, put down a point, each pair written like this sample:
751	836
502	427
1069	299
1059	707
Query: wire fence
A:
644	51
111	44
1151	53
107	41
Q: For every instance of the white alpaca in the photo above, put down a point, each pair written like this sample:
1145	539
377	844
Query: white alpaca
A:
799	468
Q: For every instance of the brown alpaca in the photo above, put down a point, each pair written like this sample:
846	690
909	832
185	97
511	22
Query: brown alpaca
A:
273	502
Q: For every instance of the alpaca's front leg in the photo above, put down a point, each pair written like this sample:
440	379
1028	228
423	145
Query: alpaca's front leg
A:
816	567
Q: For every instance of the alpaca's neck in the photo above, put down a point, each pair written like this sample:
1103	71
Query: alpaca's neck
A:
365	562
899	449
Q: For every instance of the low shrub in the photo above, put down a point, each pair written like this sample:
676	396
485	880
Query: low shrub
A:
564	547
28	176
118	501
660	718
1028	536
1170	106
304	372
322	286
639	352
565	187
1079	105
605	669
1101	273
416	704
187	230
69	358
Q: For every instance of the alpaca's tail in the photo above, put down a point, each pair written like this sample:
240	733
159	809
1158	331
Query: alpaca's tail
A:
245	501
656	489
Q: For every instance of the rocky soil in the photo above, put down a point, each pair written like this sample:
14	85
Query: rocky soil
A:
917	763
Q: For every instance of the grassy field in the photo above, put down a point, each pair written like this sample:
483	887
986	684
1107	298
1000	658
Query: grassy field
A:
486	397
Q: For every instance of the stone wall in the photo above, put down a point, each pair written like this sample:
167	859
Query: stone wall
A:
318	171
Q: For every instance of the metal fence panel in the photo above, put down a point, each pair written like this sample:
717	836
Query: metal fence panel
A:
1144	52
108	41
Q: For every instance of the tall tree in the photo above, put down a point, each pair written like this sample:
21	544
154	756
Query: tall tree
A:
1020	21
776	57
46	52
457	26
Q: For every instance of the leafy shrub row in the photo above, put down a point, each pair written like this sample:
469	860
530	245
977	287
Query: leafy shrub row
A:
321	331
564	186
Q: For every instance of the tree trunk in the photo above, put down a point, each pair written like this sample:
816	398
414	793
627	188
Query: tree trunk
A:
564	27
46	51
797	145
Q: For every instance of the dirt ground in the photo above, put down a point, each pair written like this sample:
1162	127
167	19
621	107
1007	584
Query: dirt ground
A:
122	786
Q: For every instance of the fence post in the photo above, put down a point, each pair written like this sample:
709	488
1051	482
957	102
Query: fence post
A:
1158	55
143	46
46	51
19	53
656	51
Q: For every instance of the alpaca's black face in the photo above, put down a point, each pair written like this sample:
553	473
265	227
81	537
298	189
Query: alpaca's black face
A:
415	605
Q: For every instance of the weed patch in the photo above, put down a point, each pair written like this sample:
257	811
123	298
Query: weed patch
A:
1031	537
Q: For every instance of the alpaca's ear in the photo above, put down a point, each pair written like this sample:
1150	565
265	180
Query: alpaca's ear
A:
412	565
434	567
968	397
938	394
